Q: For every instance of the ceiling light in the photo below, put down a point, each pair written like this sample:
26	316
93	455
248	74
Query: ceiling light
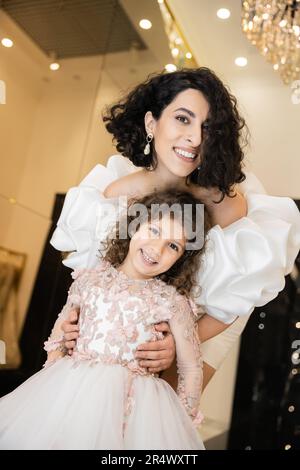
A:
223	13
170	68
6	42
54	66
241	61
175	51
53	62
178	41
145	24
188	55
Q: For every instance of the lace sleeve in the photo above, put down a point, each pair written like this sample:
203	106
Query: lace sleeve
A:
189	359
55	341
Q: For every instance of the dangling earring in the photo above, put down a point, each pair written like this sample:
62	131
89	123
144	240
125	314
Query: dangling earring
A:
149	139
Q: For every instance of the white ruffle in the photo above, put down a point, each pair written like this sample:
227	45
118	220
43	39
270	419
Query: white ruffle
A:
244	264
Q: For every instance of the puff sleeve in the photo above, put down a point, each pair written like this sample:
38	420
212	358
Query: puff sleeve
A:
87	216
245	263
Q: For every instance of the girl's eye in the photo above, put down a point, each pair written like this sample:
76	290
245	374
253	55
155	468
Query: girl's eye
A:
173	246
154	230
183	119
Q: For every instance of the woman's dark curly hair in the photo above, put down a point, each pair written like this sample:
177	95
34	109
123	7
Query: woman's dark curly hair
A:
221	148
182	275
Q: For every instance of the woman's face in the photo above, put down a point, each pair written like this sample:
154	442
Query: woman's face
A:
178	132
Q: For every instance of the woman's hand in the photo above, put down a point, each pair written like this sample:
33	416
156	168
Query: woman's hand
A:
157	355
71	330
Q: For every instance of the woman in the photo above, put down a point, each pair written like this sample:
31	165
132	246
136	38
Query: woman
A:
183	129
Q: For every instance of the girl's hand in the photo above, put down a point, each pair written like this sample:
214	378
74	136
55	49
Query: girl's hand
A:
157	355
71	330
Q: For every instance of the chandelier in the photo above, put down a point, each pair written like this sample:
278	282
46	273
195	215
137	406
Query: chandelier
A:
274	28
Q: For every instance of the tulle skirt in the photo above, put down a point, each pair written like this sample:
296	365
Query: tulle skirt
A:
84	406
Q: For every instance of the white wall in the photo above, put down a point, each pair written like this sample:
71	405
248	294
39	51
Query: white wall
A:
23	92
274	123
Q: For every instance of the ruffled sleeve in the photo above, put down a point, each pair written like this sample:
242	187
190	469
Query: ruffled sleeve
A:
245	264
87	216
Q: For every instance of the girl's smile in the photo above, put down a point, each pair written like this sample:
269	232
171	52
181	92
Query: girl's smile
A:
148	260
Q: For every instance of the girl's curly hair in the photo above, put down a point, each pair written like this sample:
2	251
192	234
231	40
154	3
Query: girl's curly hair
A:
182	275
222	141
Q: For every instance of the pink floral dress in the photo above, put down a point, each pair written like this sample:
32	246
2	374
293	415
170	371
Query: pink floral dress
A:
100	398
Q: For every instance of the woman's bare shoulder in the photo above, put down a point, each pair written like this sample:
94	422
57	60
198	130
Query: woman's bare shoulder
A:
125	186
229	210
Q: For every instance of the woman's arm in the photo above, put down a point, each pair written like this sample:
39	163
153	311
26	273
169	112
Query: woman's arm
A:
170	375
208	327
228	211
159	355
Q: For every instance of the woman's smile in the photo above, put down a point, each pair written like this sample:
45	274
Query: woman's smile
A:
185	154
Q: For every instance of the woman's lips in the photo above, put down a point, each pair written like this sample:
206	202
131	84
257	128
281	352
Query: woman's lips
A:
184	158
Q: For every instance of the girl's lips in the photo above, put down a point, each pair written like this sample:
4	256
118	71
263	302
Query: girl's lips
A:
148	263
186	159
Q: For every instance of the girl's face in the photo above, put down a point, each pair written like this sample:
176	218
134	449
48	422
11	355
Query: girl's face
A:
178	132
154	248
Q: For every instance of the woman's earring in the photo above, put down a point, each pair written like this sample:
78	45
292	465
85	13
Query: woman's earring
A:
149	139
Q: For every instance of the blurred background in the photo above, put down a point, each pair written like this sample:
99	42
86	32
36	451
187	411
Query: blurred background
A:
61	62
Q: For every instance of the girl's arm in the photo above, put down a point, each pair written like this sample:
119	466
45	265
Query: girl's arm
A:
189	360
205	332
53	356
159	356
55	344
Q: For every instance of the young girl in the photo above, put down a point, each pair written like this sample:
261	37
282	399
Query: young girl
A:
115	404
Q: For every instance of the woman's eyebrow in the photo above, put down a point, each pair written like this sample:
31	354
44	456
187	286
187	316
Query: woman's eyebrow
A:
188	111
